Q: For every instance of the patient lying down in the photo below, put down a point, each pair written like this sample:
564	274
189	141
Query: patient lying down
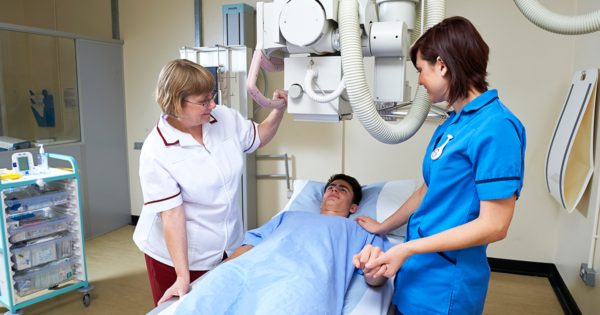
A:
297	263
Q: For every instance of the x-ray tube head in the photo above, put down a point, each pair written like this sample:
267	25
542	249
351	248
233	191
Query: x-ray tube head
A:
389	39
352	27
306	29
302	22
398	11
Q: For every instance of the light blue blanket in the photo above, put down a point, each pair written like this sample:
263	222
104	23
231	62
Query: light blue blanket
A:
301	263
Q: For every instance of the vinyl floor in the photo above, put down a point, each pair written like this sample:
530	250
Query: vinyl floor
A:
118	271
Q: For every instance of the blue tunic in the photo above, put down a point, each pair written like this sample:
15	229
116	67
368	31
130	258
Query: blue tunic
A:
483	161
301	263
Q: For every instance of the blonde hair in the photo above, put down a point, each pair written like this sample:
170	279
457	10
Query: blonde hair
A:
178	80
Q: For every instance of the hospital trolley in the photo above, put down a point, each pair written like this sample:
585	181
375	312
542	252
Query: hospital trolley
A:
42	246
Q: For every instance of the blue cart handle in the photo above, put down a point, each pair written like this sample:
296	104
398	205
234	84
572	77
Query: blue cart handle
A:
67	158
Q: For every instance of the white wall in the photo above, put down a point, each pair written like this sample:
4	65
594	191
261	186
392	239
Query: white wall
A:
89	17
524	66
153	32
314	148
530	67
575	229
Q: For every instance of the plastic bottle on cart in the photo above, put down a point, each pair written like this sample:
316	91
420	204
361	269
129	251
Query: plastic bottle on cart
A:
42	161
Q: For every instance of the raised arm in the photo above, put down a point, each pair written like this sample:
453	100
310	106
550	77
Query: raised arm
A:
396	220
268	128
175	233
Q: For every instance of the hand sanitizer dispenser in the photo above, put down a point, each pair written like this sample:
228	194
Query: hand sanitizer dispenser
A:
42	161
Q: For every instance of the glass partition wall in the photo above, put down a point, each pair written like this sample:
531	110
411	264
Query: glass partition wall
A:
38	91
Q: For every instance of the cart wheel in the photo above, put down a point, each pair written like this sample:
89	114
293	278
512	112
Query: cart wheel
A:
86	300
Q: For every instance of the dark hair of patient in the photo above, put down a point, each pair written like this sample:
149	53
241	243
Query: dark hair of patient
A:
356	188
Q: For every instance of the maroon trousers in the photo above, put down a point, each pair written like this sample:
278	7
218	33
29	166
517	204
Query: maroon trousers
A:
162	277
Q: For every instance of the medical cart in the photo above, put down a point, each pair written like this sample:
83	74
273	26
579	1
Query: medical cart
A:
42	245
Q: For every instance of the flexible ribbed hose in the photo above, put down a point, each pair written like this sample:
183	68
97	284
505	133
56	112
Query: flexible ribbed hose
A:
436	12
356	83
416	32
559	23
310	75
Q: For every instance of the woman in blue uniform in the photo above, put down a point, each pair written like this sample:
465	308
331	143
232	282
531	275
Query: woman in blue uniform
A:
473	174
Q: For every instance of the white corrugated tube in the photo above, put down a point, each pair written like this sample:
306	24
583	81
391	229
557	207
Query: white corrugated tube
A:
419	27
436	12
310	75
539	15
356	83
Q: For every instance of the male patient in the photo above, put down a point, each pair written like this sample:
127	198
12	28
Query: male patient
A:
297	263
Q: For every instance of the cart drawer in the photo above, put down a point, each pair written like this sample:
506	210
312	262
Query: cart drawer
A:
38	279
37	202
25	256
49	223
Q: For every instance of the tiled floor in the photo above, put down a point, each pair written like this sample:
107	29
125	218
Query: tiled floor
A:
118	271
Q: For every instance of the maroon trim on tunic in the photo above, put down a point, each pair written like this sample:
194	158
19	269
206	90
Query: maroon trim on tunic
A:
254	139
149	202
213	121
163	138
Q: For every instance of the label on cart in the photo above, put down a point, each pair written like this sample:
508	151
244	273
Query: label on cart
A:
23	260
45	254
65	273
39	205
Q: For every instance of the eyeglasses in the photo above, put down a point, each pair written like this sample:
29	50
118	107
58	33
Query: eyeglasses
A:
204	104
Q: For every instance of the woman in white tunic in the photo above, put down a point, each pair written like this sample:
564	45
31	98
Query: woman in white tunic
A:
190	170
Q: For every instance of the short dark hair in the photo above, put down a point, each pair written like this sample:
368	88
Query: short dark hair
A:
462	49
356	188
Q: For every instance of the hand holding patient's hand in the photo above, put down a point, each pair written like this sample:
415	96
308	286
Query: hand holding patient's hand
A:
368	253
369	224
387	264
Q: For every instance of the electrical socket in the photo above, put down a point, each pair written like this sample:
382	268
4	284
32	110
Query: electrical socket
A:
588	275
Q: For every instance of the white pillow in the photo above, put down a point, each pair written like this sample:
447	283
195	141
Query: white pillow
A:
393	195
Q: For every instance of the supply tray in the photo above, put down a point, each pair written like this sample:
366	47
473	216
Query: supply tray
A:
63	184
52	225
27	256
37	202
38	279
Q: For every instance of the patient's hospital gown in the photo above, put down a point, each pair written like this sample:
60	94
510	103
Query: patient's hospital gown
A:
301	263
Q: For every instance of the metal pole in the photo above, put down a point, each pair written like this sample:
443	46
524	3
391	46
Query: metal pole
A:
114	8
198	21
287	173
